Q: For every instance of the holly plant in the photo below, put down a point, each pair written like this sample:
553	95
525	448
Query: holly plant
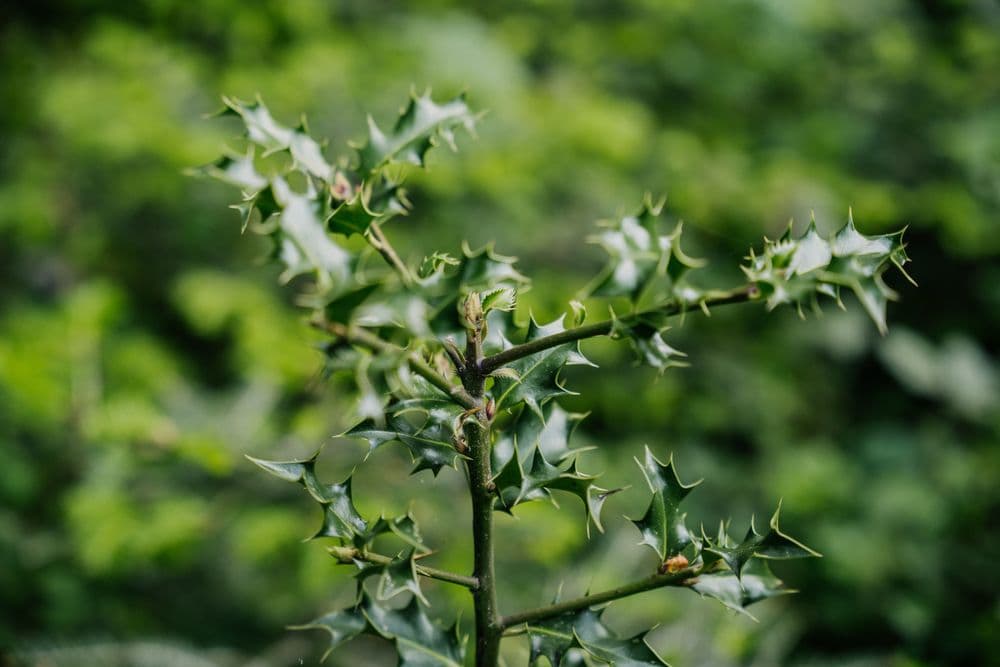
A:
444	368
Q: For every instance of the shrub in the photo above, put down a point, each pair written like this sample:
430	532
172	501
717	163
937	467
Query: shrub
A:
444	368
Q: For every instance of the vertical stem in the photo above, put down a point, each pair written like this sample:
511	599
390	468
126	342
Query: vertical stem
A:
488	630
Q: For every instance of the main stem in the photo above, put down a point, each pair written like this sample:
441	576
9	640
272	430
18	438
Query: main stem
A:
488	630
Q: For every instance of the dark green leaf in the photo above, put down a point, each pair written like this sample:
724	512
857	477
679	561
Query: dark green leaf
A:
538	375
549	432
340	518
662	526
773	544
419	641
645	337
555	637
398	576
756	583
342	625
426	426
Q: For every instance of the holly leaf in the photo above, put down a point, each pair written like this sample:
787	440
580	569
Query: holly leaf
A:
554	638
426	426
238	170
419	641
342	626
340	517
537	376
639	254
797	270
549	432
773	544
737	593
517	483
404	527
662	526
645	336
272	136
393	578
421	125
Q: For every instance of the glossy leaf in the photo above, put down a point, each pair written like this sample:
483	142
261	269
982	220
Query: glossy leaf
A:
662	526
772	544
538	375
421	125
426	426
796	270
342	625
393	578
340	517
737	593
555	637
639	253
419	641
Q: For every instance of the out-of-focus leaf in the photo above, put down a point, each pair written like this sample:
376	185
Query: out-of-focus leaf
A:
797	270
420	125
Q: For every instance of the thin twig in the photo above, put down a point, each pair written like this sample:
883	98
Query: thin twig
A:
604	328
377	239
682	578
367	339
348	555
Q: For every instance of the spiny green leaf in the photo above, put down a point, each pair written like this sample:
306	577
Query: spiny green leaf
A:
238	170
773	544
419	126
342	625
272	136
662	526
426	426
553	638
419	641
404	527
639	253
536	478
549	432
756	583
340	518
395	577
538	378
795	270
645	337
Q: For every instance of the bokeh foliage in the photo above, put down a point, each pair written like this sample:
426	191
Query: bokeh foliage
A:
141	355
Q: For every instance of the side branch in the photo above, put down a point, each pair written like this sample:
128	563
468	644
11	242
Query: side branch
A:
348	555
416	362
377	239
738	295
682	578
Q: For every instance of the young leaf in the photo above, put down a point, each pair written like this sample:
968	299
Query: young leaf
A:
639	253
646	340
395	577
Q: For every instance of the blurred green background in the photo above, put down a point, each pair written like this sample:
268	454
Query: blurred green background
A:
144	350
